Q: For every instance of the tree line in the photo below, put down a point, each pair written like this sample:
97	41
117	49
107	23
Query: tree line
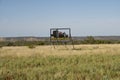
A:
87	40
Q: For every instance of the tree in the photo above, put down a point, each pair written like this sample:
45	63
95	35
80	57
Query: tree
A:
90	40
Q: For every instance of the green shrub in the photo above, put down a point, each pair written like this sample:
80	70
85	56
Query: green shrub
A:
10	44
88	40
1	46
41	43
31	46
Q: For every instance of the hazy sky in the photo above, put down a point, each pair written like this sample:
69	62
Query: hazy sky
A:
36	17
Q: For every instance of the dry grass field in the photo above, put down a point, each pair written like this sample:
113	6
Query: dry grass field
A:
85	62
112	49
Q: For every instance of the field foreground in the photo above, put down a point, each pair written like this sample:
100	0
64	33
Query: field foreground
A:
85	62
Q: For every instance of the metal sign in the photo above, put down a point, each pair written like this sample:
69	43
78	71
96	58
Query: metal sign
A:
60	35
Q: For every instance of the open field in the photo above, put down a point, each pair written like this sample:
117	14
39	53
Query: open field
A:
85	62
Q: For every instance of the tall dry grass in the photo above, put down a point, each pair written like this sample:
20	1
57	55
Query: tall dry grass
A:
61	50
85	62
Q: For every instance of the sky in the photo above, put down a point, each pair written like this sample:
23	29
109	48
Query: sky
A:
36	17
